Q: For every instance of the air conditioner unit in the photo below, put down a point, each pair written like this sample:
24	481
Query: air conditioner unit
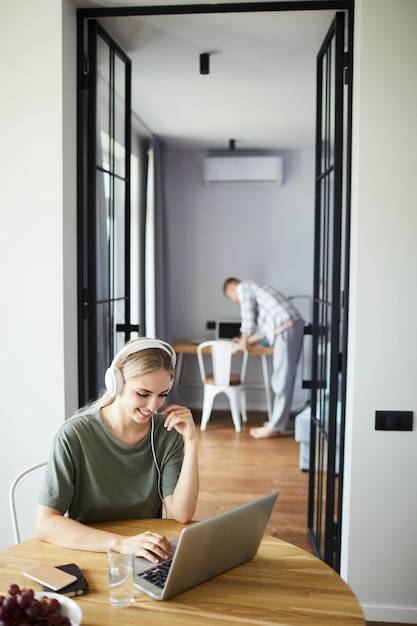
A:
243	169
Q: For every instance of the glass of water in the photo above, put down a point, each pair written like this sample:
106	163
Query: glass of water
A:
121	566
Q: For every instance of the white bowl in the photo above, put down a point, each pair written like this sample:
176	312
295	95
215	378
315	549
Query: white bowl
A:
68	606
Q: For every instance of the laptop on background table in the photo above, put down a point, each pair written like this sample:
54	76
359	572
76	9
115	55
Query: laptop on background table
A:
227	329
208	548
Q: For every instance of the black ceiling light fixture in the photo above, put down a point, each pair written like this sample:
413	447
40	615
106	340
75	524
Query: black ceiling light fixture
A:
204	63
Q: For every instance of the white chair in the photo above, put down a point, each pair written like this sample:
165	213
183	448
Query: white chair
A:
221	379
30	490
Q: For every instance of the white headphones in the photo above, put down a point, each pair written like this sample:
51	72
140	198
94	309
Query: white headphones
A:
114	378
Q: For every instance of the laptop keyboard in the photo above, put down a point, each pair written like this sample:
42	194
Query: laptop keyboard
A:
157	575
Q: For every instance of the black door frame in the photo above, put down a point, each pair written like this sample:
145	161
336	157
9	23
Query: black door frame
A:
331	283
96	306
296	5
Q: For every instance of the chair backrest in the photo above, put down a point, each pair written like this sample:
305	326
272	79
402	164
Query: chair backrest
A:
26	501
222	352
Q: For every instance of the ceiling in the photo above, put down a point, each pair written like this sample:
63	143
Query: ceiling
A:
260	90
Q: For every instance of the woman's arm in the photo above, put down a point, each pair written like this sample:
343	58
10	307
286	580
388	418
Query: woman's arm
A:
182	503
53	527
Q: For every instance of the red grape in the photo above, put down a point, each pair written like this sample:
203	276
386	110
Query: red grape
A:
13	590
21	608
23	600
10	603
34	610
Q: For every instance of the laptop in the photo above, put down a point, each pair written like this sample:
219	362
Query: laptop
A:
227	329
207	548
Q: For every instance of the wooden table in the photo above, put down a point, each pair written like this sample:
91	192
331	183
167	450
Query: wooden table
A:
283	585
186	346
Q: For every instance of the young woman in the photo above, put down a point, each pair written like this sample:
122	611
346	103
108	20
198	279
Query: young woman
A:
124	456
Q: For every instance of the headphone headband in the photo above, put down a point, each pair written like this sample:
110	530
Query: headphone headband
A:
113	377
144	343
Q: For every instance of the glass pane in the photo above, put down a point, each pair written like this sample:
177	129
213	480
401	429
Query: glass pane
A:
320	492
103	104
332	101
330	184
118	286
119	116
103	183
323	115
135	242
103	321
111	193
323	474
324	237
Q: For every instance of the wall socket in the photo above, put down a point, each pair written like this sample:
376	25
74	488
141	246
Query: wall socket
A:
393	420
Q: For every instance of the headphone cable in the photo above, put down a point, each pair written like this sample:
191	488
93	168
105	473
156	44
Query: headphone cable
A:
156	464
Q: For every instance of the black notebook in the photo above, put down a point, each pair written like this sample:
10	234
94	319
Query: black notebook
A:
77	588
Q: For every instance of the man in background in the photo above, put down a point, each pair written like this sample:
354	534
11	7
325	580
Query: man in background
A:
268	316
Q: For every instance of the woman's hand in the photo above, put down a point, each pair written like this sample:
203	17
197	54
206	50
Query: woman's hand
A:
151	546
181	504
53	527
180	418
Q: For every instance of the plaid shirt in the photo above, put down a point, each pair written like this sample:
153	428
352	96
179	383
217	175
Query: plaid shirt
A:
264	310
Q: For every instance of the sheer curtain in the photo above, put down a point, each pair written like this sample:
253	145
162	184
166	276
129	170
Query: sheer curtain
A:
156	324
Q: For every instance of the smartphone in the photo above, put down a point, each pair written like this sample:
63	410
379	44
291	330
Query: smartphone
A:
50	576
75	589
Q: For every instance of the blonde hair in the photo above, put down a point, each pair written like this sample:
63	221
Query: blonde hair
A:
132	366
230	281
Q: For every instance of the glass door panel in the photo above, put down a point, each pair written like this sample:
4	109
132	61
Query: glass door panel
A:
329	325
104	208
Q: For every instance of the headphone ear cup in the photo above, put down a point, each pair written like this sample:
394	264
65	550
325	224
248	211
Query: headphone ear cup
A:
113	380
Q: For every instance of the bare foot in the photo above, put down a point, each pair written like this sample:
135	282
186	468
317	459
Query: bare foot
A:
264	432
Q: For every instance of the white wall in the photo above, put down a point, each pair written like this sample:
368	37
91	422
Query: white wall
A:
37	204
380	503
69	204
262	232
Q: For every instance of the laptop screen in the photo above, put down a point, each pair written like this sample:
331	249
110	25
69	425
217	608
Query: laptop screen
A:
227	329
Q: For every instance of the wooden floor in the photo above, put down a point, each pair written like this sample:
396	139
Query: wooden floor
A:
235	468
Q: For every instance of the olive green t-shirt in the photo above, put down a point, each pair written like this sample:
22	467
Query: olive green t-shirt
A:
94	477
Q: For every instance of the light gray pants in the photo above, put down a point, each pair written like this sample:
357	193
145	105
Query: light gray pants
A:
287	352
